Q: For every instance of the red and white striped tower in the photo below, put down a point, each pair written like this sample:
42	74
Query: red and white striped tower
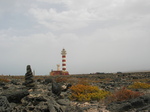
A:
63	52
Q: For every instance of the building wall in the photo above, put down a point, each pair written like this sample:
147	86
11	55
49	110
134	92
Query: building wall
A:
52	73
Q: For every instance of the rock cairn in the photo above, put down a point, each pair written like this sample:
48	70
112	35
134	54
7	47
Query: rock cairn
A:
29	81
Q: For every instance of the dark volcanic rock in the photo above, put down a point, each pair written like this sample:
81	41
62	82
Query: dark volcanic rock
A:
35	100
15	96
4	104
2	84
146	98
144	109
15	82
29	82
39	80
119	106
56	88
65	102
64	88
5	87
47	81
140	103
49	96
44	104
136	103
124	107
68	86
74	109
54	106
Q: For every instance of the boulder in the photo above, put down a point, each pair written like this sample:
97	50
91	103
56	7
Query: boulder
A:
39	80
56	88
2	84
140	103
146	98
144	109
136	103
124	107
15	82
5	87
4	104
15	96
33	99
64	102
54	106
47	81
74	109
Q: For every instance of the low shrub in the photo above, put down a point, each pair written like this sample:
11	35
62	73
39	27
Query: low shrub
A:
124	94
84	81
82	92
72	80
61	79
141	80
4	80
139	85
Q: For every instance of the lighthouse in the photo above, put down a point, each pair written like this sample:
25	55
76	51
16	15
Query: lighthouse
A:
63	53
63	71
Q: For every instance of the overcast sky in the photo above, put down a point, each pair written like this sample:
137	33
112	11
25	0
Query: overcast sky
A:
98	35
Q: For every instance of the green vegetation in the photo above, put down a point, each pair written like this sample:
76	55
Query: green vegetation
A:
139	85
82	92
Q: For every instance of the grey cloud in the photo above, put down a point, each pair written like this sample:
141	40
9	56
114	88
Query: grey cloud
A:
105	35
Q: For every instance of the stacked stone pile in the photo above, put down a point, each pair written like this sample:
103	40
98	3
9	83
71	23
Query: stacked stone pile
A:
29	81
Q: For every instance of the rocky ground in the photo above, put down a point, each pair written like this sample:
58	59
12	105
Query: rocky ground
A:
50	94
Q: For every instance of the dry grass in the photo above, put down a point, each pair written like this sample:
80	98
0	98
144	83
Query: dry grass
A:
124	94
